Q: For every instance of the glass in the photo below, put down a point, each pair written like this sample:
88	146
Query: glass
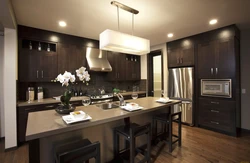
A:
30	94
39	93
86	101
134	95
164	94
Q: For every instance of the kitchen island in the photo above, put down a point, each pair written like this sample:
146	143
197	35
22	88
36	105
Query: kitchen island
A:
46	128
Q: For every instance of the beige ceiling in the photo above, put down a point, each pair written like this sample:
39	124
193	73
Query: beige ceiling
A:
156	18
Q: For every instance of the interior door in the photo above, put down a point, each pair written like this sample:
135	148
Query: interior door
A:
155	74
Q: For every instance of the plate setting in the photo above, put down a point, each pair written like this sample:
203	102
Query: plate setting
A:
77	116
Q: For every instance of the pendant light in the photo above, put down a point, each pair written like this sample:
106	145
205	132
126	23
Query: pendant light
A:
121	42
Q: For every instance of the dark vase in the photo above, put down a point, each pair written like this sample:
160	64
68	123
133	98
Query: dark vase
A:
65	109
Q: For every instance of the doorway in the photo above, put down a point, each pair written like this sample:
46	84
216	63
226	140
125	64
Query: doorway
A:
155	73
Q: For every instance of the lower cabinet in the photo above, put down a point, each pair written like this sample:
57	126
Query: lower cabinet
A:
218	115
22	116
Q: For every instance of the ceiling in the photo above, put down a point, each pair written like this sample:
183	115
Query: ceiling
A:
155	20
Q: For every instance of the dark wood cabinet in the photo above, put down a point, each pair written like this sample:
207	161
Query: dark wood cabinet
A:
216	59
181	57
218	114
37	65
133	67
71	57
117	62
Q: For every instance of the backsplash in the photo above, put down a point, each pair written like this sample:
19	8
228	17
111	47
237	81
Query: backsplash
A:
51	89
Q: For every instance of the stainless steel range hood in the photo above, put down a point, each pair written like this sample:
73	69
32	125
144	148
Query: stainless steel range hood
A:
97	60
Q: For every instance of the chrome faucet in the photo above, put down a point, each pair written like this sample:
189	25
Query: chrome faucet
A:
122	102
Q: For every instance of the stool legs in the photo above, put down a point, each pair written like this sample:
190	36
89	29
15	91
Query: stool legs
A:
170	134
132	150
116	144
179	130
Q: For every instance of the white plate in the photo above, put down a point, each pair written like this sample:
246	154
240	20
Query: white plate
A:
131	109
69	119
164	101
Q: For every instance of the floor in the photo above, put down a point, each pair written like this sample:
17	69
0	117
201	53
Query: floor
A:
198	146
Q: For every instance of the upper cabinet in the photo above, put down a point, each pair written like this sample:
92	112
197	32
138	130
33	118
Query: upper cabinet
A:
117	62
133	67
37	61
124	67
180	54
216	59
71	57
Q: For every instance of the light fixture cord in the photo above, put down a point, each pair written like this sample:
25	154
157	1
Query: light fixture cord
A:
132	23
118	18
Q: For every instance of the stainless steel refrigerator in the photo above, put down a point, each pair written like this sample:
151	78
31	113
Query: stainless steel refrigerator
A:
181	87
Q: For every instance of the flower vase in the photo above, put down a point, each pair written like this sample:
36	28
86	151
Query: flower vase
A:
65	109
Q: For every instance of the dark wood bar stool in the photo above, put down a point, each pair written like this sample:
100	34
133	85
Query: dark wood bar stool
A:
77	152
166	120
130	132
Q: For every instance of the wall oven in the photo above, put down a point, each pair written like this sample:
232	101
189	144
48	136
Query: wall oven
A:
216	88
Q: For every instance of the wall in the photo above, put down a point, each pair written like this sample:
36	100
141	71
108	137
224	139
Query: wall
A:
163	48
1	87
245	78
9	81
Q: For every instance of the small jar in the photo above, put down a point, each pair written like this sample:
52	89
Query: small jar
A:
39	93
30	94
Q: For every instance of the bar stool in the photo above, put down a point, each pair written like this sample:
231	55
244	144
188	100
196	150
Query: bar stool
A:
77	152
166	120
130	132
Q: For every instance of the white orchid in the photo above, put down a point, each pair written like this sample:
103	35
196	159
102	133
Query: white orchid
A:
83	74
66	78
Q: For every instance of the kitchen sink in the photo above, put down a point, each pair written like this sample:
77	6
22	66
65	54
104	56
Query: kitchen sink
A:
107	106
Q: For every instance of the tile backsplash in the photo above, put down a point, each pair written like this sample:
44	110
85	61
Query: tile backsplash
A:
97	81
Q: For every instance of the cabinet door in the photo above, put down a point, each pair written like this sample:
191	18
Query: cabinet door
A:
120	65
173	57
34	62
187	56
206	60
28	66
80	57
133	69
225	64
112	76
48	67
64	57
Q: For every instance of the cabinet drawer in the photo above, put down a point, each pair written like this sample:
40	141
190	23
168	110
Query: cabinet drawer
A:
217	124
214	104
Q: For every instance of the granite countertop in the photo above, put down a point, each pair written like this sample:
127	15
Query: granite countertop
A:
52	122
51	100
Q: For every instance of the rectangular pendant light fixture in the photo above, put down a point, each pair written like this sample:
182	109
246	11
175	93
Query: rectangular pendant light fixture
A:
124	43
121	42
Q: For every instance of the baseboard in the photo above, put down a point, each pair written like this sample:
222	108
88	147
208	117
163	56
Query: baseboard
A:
10	149
244	130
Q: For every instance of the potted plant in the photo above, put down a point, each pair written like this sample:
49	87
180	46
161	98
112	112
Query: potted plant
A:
66	80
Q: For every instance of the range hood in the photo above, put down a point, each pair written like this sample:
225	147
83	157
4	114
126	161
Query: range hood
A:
97	60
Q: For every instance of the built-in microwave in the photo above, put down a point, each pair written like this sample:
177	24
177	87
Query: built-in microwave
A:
216	87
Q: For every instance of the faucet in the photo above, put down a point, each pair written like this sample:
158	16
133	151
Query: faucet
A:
122	102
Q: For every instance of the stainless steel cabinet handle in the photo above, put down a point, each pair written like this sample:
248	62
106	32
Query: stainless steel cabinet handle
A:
215	122
42	74
178	60
215	111
50	106
37	74
216	71
181	60
212	71
213	102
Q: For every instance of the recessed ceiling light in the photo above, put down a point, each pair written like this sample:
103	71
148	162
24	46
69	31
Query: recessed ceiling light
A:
62	23
170	35
213	21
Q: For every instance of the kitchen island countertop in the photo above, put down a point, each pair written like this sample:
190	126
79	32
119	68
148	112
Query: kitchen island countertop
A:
46	123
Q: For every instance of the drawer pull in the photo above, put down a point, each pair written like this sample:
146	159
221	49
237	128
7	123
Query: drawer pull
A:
215	122
50	106
215	111
213	102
